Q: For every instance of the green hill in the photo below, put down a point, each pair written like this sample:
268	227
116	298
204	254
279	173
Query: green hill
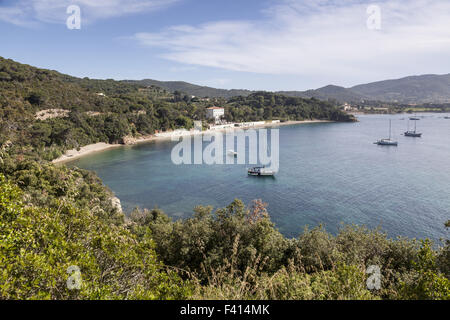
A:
192	89
415	89
330	92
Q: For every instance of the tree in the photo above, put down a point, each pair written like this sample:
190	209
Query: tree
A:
428	283
4	76
36	98
115	128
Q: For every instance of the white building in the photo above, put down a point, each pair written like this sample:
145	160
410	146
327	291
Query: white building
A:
347	107
215	113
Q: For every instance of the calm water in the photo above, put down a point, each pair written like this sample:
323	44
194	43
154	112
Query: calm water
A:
330	173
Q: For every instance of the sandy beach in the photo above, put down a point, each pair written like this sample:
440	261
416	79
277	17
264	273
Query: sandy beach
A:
102	146
89	149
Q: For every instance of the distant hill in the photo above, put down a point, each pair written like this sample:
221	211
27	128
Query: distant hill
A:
326	93
194	90
414	89
330	92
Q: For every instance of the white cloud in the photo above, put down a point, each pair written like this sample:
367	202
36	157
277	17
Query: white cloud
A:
15	16
324	37
28	12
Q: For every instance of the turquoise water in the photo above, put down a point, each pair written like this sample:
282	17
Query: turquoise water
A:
330	173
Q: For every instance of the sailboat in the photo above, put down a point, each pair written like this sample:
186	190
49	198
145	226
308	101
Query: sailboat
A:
414	134
387	142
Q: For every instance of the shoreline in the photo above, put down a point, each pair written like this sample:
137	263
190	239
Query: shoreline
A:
74	154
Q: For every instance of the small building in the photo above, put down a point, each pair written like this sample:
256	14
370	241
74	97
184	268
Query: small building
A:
347	107
215	113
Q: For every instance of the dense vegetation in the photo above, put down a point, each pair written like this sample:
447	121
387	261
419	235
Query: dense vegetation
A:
53	218
264	105
40	243
194	90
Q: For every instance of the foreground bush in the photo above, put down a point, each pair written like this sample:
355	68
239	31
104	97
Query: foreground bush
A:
237	253
37	246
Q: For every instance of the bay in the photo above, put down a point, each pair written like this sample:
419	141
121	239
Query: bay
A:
330	174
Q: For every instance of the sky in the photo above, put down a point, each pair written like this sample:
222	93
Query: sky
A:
243	44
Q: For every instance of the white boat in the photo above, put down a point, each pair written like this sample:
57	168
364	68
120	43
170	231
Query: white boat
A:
260	171
387	142
232	153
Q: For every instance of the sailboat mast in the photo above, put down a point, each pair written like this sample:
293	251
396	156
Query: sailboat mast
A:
390	129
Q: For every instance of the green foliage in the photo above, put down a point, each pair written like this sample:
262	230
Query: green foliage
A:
266	105
236	253
427	283
38	246
206	240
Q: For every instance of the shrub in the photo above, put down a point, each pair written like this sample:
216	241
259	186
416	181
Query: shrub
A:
39	245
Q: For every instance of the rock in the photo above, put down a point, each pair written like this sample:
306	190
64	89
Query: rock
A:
116	204
128	140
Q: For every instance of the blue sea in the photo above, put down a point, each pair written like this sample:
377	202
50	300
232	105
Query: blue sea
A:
330	174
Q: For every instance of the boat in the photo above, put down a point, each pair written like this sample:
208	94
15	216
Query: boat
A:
448	118
413	133
260	171
415	118
232	153
387	142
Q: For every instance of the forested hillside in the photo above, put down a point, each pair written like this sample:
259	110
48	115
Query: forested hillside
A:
422	89
266	105
192	89
415	89
55	218
77	112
